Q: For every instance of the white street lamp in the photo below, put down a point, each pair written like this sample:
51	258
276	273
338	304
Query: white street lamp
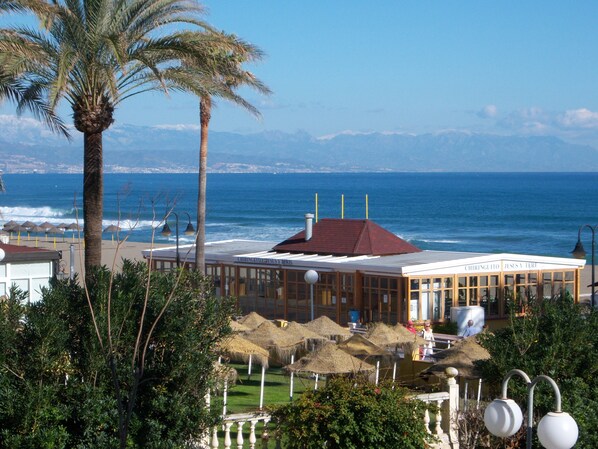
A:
311	277
503	417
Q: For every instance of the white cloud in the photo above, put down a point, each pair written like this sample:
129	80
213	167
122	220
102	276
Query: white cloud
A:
578	118
488	111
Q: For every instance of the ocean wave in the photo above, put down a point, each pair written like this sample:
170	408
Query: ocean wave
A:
44	213
440	241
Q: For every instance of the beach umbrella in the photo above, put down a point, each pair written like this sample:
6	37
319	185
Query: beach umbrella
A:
359	346
62	225
55	230
10	224
112	229
329	360
279	344
73	227
252	320
46	225
462	355
28	224
383	335
238	348
238	327
309	337
325	327
37	230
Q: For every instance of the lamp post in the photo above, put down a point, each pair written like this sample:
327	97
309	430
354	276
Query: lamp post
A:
166	232
311	277
503	417
580	253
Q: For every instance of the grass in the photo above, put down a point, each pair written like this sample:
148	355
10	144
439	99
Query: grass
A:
244	397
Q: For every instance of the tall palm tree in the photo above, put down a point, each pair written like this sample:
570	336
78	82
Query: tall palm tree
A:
222	78
94	54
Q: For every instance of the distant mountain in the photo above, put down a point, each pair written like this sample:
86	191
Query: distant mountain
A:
175	149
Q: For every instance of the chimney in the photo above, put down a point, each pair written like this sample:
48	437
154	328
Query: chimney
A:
308	226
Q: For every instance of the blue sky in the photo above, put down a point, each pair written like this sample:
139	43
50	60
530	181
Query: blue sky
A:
508	67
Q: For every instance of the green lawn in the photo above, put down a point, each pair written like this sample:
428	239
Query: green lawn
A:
245	395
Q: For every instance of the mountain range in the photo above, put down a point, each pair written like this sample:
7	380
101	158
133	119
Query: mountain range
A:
25	147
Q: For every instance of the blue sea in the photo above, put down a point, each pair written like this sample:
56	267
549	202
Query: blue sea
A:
529	213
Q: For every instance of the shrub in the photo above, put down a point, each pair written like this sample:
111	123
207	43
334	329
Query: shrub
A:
353	414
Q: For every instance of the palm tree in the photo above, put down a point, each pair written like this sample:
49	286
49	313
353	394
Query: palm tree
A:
95	54
224	76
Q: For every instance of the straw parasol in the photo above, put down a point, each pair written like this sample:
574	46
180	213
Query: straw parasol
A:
62	225
73	227
10	224
329	359
280	344
225	373
462	355
309	337
238	327
359	346
252	320
28	224
383	335
37	230
46	225
238	348
112	229
325	327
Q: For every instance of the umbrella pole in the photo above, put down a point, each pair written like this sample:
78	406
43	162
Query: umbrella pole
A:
465	395
394	372
224	397
377	371
292	378
479	392
249	367
262	387
316	384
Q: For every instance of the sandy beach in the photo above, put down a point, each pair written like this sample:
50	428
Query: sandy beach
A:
113	252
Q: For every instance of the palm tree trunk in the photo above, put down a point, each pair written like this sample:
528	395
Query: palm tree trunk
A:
205	113
93	196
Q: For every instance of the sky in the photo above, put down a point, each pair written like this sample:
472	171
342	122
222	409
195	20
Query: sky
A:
510	67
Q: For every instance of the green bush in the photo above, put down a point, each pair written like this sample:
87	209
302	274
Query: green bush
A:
132	374
557	338
353	414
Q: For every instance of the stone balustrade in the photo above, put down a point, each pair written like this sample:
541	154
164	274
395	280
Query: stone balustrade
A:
440	420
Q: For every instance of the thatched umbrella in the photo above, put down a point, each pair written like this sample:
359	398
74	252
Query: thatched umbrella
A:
238	348
328	360
238	327
310	338
112	229
386	336
252	320
280	344
28	224
325	327
359	346
462	355
10	224
46	225
38	230
73	227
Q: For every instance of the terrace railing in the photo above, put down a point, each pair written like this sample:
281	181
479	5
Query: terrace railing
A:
440	420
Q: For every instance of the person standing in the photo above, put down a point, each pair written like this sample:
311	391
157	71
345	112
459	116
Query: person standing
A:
410	327
470	330
428	335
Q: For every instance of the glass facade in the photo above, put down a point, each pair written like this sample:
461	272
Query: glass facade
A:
283	292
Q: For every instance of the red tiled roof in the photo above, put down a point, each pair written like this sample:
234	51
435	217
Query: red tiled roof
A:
347	237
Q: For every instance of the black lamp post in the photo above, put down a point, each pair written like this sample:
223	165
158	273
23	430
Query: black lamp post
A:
166	232
580	253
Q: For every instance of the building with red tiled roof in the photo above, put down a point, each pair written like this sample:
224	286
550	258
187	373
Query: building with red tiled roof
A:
364	271
347	237
27	268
